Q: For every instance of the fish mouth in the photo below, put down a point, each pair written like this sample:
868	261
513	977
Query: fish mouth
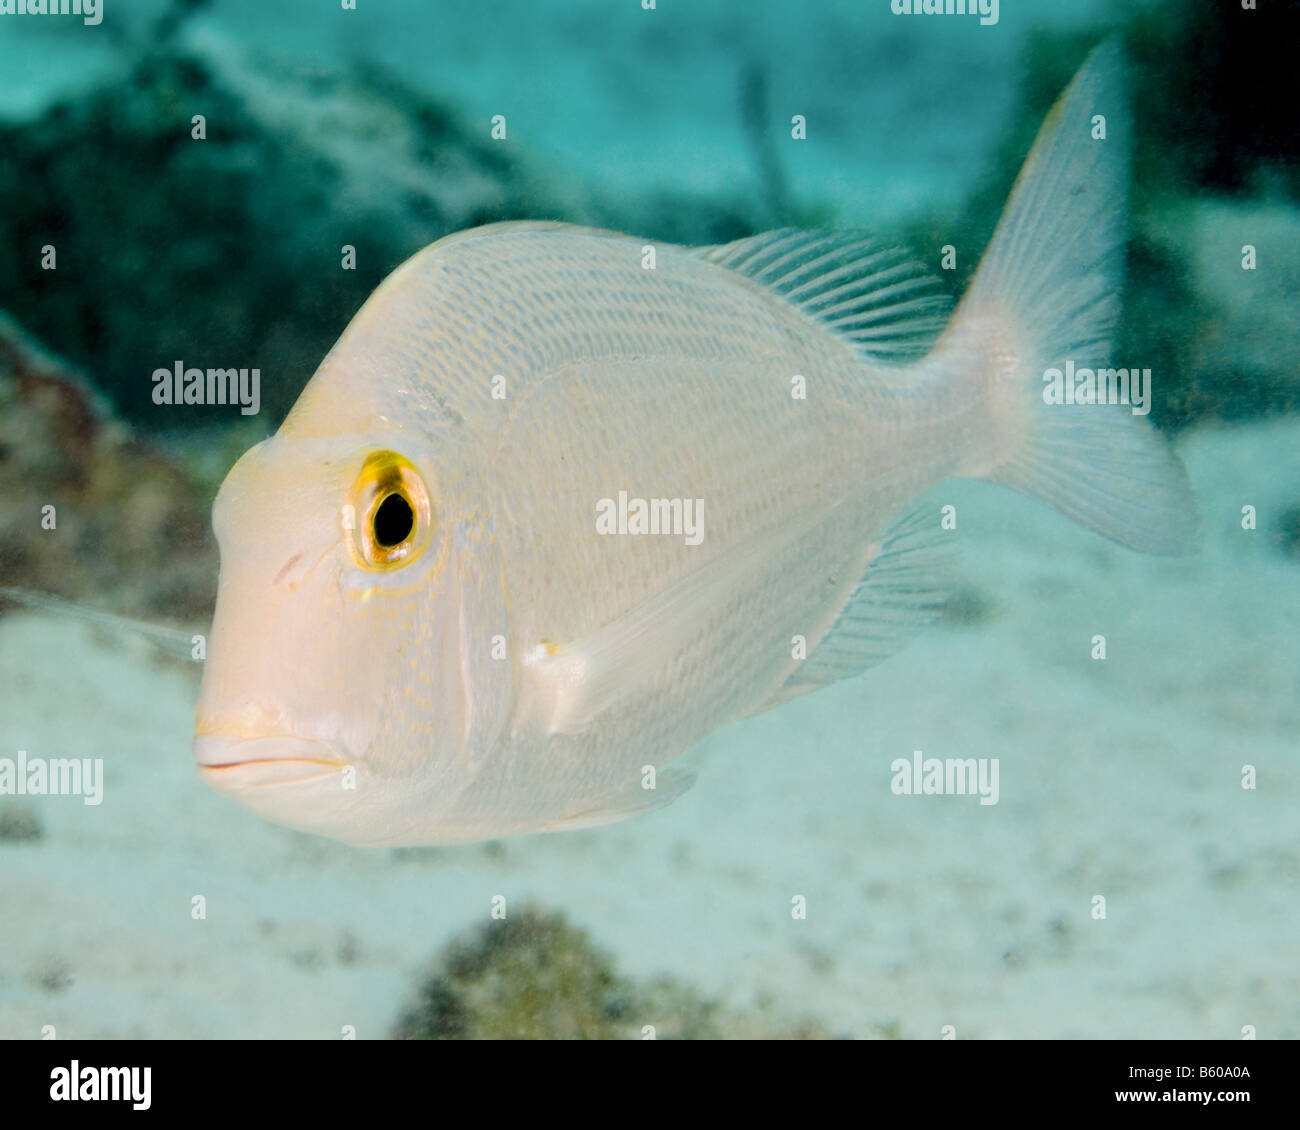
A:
235	763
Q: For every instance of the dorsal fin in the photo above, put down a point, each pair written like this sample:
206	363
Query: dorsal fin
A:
890	307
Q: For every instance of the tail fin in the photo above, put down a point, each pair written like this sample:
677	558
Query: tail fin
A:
1046	297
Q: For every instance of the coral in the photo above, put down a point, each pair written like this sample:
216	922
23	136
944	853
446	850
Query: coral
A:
535	976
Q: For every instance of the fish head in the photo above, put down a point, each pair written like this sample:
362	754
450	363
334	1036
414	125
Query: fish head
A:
331	698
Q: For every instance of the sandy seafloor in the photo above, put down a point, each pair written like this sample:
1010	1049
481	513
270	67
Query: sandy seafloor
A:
1118	777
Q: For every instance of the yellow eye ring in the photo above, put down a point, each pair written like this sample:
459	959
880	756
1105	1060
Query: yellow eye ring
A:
392	518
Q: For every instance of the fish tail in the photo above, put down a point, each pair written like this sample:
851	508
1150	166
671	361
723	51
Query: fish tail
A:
1039	319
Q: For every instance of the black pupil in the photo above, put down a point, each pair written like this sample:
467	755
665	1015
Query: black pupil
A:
393	521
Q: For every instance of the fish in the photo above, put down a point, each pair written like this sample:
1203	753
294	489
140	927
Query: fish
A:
457	598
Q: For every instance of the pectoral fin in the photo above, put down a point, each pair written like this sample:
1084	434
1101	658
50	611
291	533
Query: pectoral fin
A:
903	587
573	683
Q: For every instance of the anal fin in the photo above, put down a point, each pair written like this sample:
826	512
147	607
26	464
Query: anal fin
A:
630	800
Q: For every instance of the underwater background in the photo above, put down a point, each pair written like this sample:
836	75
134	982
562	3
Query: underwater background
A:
791	893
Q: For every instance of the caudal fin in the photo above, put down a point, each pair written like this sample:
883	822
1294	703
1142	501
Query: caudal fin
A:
1046	299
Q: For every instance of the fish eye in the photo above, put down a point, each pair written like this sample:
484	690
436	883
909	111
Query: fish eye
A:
393	518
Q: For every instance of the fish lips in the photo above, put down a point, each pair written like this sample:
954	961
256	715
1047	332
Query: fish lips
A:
309	784
236	764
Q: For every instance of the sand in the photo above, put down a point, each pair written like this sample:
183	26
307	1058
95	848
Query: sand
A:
1118	777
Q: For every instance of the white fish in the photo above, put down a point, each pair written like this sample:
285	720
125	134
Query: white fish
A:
422	634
